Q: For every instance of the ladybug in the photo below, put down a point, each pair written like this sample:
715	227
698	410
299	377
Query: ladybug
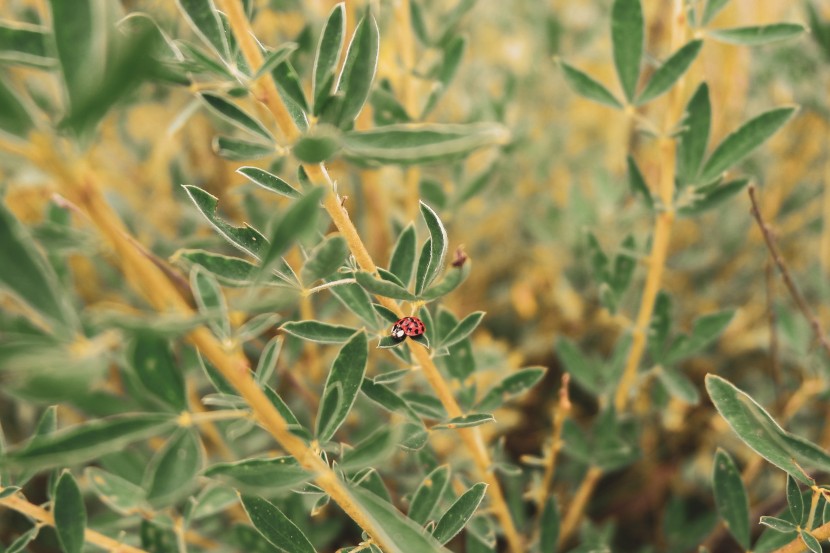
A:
408	326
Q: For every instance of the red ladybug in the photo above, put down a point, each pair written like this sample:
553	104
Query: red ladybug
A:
408	326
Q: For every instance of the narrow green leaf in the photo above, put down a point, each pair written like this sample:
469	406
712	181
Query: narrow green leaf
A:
778	524
627	36
236	149
401	534
510	386
402	262
731	498
581	368
438	244
388	399
465	421
23	540
156	368
358	73
757	35
275	526
743	141
454	519
204	19
173	467
371	451
275	58
463	329
268	181
711	196
387	314
32	279
705	330
261	476
70	514
25	44
318	145
327	55
407	144
231	113
678	385
14	117
231	271
795	501
347	373
291	89
325	258
549	527
452	280
637	182
9	491
453	52
712	9
694	137
810	541
298	220
119	494
759	431
316	331
671	70
587	87
246	238
268	360
422	269
383	288
86	441
355	298
819	30
429	493
210	300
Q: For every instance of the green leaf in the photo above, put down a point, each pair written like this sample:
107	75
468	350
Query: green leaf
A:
429	493
587	87
316	331
453	52
155	366
454	519
318	145
25	44
705	330
694	137
210	300
23	540
291	89
708	197
70	514
355	298
627	36
549	527
637	182
388	399
795	501
408	144
32	279
671	70
401	534
383	288
327	55
246	238
371	451
236	149
325	258
743	141
261	476
778	524
275	526
678	385
510	387
759	431
9	491
810	541
402	262
14	117
231	271
819	30
275	58
465	421
731	498
424	259
235	116
297	221
355	80
82	442
452	280
268	359
268	181
118	494
204	19
712	9
463	329
173	467
581	368
438	245
347	374
757	35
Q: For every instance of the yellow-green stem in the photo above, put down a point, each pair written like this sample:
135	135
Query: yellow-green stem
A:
579	502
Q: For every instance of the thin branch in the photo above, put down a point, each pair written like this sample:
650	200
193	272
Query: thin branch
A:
799	299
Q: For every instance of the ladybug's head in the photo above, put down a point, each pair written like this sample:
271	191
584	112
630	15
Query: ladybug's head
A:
398	332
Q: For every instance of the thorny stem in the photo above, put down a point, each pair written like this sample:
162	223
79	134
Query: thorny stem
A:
43	516
240	27
799	299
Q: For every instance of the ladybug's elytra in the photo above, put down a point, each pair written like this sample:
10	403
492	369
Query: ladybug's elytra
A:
408	326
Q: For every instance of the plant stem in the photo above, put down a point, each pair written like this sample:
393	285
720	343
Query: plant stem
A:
43	516
797	546
579	502
563	407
